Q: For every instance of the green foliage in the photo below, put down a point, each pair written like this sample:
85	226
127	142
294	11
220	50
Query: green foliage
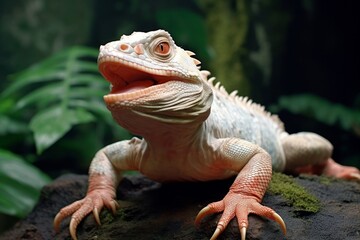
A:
62	91
48	99
20	184
295	194
321	110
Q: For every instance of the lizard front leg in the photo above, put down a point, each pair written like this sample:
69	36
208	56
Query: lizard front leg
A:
104	176
244	197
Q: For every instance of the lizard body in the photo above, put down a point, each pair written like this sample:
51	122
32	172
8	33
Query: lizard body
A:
192	131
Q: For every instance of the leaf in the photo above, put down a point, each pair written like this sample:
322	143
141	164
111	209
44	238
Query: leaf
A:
321	110
48	92
8	125
80	51
86	66
53	68
31	78
90	79
48	89
83	92
20	184
50	125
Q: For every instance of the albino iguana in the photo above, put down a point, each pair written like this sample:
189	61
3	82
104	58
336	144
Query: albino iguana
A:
192	131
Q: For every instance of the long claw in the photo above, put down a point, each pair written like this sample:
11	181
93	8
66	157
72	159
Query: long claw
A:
216	233
72	228
243	233
57	221
96	215
280	221
355	176
114	205
203	213
64	213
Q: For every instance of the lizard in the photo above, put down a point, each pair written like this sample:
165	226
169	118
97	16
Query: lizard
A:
191	130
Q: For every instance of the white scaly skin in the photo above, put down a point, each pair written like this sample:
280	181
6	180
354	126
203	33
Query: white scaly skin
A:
192	131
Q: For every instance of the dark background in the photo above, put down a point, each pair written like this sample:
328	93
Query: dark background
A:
268	50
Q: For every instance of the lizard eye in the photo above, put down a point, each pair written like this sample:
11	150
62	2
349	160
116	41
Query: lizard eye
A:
162	48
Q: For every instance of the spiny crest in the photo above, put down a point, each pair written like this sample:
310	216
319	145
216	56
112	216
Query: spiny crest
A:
191	54
243	101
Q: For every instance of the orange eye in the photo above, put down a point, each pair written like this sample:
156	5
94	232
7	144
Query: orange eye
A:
162	48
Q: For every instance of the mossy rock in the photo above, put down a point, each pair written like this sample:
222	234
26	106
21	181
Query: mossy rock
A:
150	210
296	195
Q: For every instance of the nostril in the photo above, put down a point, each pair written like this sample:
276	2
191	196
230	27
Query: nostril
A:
139	49
124	47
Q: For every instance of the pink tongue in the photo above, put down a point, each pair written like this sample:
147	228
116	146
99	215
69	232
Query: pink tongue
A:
137	85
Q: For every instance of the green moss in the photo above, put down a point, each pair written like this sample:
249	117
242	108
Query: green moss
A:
295	194
325	180
107	217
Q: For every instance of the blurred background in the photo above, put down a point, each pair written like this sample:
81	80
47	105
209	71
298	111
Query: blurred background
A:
299	58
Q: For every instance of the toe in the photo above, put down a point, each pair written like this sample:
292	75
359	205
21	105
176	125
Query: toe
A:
78	216
96	215
114	206
258	209
208	210
64	213
334	169
239	206
216	233
276	217
355	176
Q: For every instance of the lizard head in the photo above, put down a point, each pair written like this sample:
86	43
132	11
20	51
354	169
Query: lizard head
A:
153	78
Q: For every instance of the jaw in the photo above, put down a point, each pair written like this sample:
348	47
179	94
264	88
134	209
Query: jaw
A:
131	81
141	94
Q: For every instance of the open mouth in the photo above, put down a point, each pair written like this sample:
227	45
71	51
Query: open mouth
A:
128	77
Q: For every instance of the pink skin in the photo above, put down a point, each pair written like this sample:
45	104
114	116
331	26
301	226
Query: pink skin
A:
248	189
101	193
244	197
331	168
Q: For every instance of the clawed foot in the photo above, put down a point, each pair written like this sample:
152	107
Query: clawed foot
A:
240	206
331	168
334	169
93	202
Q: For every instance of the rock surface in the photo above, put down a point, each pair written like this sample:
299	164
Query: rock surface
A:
166	211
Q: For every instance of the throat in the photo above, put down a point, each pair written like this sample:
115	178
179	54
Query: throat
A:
174	140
